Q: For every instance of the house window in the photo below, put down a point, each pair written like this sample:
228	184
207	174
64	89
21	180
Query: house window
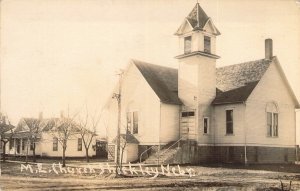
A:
23	144
135	123
272	120
187	44
55	144
79	144
207	44
11	143
205	125
229	121
31	145
129	122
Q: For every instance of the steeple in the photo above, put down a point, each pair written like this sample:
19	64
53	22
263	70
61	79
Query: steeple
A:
197	59
197	68
197	19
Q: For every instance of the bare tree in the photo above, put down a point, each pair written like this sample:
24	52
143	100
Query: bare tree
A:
6	133
123	144
34	129
87	129
63	128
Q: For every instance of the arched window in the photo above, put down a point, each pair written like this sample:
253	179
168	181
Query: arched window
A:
272	119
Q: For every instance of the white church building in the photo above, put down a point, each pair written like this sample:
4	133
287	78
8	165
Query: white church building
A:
243	113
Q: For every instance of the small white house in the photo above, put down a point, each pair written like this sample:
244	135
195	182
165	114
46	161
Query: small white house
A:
243	113
46	143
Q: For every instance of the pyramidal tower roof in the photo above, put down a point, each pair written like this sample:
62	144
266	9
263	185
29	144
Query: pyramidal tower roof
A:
197	19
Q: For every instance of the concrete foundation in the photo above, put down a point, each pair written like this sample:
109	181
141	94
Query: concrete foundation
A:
191	153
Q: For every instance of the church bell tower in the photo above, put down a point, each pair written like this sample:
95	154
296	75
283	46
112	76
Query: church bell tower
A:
197	63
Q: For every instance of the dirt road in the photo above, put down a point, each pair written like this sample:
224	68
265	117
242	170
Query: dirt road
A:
206	178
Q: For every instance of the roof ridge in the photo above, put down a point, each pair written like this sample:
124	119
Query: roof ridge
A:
157	65
254	61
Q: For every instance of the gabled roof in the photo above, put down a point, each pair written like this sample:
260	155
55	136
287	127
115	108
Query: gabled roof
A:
23	126
163	81
197	19
235	83
238	95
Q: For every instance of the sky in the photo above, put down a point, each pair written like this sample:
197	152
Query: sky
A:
65	53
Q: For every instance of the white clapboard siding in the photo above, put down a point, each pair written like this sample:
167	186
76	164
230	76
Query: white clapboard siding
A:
169	125
138	96
238	124
271	88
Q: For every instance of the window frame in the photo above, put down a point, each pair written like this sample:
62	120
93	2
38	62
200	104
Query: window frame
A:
31	145
132	124
135	122
187	113
23	144
207	47
229	122
208	125
79	144
55	144
187	47
129	122
272	129
11	143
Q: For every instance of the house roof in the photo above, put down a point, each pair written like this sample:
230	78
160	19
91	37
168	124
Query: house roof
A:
236	82
238	95
163	81
129	139
24	122
38	126
24	134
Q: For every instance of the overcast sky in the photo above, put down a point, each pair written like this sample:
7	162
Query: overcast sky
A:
56	53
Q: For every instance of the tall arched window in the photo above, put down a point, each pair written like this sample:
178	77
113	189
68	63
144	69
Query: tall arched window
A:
272	119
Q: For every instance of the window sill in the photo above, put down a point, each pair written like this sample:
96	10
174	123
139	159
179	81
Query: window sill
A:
229	135
206	134
272	136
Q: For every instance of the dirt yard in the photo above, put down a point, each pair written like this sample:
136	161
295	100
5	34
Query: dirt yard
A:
213	177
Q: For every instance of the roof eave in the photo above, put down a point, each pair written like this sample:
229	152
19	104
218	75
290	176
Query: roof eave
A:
171	102
198	53
297	105
226	103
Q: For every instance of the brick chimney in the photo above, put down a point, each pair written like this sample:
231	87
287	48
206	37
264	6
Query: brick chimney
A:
268	49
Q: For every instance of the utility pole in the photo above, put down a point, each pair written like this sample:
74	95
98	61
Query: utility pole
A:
118	97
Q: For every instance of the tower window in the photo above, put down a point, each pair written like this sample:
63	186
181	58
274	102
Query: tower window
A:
187	44
207	44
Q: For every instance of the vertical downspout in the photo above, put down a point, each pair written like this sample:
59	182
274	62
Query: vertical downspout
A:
245	133
159	132
296	153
